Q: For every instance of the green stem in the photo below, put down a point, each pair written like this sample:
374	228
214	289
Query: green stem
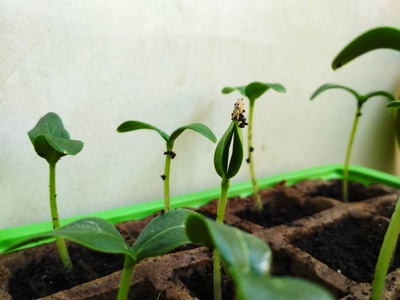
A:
217	276
250	157
386	253
125	283
222	199
346	163
62	248
167	205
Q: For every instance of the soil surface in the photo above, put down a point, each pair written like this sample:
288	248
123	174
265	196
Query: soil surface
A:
350	247
48	276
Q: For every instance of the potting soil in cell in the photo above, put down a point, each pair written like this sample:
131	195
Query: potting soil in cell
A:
350	247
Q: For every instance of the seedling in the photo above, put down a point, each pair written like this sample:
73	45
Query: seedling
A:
361	99
253	91
170	140
161	235
247	260
227	165
51	141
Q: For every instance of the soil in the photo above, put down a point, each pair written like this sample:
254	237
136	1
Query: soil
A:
351	247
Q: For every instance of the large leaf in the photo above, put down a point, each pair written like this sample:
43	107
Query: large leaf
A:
377	38
51	140
162	234
278	288
198	127
226	166
94	233
137	125
328	86
242	253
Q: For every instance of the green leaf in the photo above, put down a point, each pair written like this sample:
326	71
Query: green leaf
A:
393	104
255	89
50	139
162	234
278	288
240	89
328	86
224	165
242	253
389	96
136	125
94	233
198	127
377	38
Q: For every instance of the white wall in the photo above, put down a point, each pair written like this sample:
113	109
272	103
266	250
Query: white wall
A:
99	63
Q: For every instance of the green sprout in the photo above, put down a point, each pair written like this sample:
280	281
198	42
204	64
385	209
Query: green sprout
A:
361	99
51	141
161	235
253	91
247	260
169	154
227	164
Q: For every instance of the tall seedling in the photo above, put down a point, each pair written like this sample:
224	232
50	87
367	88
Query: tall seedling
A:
51	141
169	154
253	91
361	99
227	163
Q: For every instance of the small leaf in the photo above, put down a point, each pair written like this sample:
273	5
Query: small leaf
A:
377	38
241	252
240	89
221	154
136	125
237	153
255	89
278	288
93	233
328	86
393	104
162	234
387	95
50	139
198	127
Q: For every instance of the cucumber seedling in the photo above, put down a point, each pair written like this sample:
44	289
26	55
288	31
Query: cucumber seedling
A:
51	141
253	91
361	99
170	140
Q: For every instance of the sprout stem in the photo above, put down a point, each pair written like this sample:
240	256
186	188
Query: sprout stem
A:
167	205
346	163
386	253
217	276
250	157
222	199
124	286
62	248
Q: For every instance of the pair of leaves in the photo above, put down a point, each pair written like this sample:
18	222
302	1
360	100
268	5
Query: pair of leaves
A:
377	38
248	260
198	127
361	99
51	140
255	89
161	235
227	165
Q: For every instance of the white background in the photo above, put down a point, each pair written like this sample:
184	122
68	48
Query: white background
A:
100	63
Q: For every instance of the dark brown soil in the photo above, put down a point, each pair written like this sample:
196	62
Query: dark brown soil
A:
350	247
200	284
272	215
48	276
357	191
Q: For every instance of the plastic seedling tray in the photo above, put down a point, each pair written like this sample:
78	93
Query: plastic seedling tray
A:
363	175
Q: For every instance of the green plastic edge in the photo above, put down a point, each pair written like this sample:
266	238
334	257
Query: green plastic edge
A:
138	211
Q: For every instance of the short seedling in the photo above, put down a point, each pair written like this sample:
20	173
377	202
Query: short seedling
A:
227	166
361	99
51	141
253	91
161	235
169	154
247	260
